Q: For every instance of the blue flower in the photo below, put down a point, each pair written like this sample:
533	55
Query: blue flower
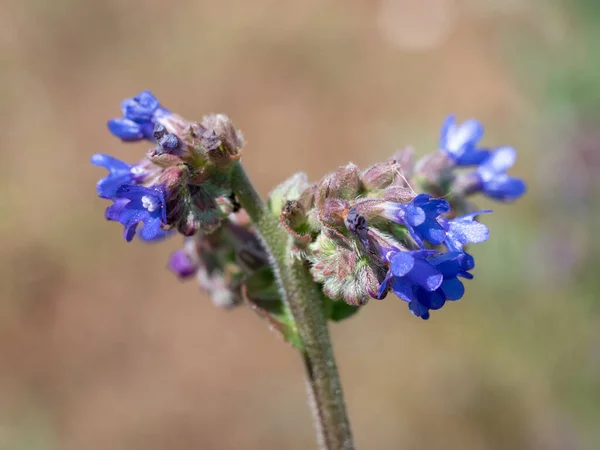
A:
135	204
450	265
119	173
464	230
420	217
491	177
459	141
140	114
425	279
407	271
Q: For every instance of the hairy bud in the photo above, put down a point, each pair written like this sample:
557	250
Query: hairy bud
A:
293	188
221	140
345	274
379	176
434	169
344	184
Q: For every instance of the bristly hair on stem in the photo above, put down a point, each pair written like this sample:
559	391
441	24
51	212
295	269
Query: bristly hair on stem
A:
305	302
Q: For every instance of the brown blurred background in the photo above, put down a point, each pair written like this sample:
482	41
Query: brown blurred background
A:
102	348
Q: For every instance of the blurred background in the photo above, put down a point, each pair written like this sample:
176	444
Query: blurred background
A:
102	348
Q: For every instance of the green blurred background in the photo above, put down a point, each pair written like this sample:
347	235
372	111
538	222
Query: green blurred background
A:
102	348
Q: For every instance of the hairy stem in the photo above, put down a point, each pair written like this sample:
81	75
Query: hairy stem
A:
303	298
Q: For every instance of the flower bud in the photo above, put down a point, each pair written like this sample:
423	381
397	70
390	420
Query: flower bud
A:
393	173
379	176
220	139
398	194
405	159
293	188
434	168
182	264
344	184
344	273
293	213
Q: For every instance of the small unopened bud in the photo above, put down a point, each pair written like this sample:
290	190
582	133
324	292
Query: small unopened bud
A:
294	219
379	176
210	141
405	159
293	188
344	273
182	264
398	194
433	169
293	213
465	184
390	174
344	184
220	139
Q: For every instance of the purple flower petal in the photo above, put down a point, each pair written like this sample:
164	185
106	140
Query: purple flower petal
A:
125	129
403	289
419	310
141	107
492	178
465	230
119	173
505	188
460	141
473	158
426	275
402	263
152	229
453	289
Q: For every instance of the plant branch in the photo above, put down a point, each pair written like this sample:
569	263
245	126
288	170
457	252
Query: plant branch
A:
304	300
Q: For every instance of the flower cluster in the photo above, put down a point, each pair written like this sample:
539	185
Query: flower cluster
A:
458	148
182	183
399	226
368	232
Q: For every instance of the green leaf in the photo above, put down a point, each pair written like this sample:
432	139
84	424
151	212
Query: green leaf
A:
338	310
265	300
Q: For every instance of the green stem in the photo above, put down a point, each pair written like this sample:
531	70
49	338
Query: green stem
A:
304	300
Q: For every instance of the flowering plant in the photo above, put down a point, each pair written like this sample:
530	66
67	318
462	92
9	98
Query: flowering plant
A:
314	251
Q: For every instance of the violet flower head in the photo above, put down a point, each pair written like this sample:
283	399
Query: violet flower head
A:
491	177
135	204
459	141
420	217
451	266
409	270
423	280
140	114
119	173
